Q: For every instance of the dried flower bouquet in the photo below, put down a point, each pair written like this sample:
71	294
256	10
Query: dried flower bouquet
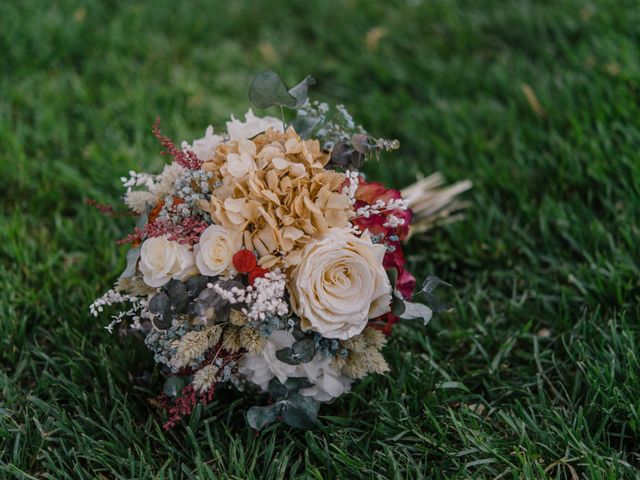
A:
263	259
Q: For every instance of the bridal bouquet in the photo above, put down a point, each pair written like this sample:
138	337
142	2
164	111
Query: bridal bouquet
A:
264	260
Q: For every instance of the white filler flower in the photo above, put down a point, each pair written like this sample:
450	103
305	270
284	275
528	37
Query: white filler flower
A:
340	284
214	253
161	260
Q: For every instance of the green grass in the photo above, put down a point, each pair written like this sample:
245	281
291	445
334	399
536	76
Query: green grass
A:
537	372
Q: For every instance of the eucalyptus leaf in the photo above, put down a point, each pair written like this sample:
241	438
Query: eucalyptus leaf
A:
177	292
428	287
197	284
260	417
432	282
267	90
392	274
277	389
360	143
301	91
173	386
132	262
304	125
299	411
143	218
294	384
341	154
397	304
416	310
280	390
302	351
159	303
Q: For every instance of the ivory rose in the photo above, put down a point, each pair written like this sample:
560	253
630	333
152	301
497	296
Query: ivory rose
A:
215	251
161	260
339	284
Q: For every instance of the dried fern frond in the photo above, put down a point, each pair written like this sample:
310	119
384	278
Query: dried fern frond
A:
433	203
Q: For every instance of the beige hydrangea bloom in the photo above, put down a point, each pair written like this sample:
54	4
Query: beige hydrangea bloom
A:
276	190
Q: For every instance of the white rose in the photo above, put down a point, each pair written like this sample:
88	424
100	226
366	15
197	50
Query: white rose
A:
161	260
215	251
339	284
251	126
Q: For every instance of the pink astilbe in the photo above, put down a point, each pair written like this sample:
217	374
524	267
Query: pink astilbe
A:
134	238
101	207
187	232
185	403
186	159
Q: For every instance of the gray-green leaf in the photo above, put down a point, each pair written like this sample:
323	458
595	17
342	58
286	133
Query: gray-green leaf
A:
132	262
301	91
300	411
280	390
173	386
260	417
397	304
302	351
432	282
416	310
267	89
304	125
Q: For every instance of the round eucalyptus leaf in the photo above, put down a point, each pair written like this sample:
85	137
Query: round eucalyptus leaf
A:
260	417
267	89
173	386
160	303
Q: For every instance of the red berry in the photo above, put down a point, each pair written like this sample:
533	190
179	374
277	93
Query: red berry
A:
257	272
244	261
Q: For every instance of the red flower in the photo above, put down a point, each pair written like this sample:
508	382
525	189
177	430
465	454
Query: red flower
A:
385	323
406	283
370	192
244	261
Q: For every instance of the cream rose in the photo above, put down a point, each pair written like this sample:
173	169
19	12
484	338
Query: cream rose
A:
161	260
339	284
215	251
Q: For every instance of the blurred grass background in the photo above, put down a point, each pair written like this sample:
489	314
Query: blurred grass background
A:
537	372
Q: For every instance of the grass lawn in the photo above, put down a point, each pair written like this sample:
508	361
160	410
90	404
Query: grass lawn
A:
535	374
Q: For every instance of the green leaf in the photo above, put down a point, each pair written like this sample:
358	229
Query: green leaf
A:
397	304
173	386
416	310
132	263
177	292
143	218
304	125
159	303
432	300
302	351
432	282
293	384
301	91
392	274
299	411
267	89
260	417
360	143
